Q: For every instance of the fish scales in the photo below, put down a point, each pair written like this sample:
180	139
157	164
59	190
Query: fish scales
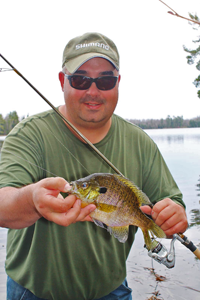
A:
118	206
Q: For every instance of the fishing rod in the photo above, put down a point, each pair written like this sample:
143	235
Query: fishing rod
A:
159	253
63	118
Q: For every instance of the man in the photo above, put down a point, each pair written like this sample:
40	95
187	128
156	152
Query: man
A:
50	253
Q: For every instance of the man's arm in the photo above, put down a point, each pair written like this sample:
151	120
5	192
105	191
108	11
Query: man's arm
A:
22	207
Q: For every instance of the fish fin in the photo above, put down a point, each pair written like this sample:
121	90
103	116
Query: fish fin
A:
100	224
121	233
155	229
141	196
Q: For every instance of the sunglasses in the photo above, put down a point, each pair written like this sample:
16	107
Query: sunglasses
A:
80	82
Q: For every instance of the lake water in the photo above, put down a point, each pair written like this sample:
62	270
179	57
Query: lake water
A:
181	150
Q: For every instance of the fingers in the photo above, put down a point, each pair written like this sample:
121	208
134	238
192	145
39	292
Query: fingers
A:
170	216
72	215
55	183
146	209
47	197
52	206
84	213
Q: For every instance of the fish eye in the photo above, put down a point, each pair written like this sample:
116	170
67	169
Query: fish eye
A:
102	190
84	185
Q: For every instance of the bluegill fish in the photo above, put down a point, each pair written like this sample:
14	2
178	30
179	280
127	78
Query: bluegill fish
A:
118	202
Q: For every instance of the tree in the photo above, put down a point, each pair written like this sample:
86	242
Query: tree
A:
169	122
10	121
193	53
193	57
2	125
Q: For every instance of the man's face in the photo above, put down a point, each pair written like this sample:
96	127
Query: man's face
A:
91	108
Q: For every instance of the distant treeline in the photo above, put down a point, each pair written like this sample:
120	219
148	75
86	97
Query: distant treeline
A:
169	122
7	123
11	119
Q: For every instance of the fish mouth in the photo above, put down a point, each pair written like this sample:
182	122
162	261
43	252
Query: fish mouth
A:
73	189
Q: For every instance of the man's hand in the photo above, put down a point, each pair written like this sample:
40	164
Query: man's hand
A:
22	207
50	204
167	214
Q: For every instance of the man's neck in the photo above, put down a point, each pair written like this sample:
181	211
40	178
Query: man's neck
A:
93	133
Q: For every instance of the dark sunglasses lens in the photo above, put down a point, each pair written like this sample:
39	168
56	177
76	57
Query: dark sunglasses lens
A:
106	83
80	82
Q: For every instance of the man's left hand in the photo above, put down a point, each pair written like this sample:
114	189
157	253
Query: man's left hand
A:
168	215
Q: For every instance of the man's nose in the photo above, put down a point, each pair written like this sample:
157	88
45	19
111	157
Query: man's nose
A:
93	90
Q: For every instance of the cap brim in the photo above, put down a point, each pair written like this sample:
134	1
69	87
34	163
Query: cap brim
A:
75	63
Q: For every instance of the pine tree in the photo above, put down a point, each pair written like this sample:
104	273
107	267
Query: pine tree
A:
2	125
193	57
10	121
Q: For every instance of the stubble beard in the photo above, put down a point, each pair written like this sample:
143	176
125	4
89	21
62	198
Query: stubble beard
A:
90	119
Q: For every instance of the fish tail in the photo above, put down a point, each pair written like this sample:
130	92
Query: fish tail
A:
147	239
156	230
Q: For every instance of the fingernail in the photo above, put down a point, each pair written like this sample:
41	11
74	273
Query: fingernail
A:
92	209
67	187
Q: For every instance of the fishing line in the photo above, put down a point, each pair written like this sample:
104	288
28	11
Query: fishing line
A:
29	162
4	150
68	150
196	251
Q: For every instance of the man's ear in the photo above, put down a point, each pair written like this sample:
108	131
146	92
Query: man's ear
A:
62	79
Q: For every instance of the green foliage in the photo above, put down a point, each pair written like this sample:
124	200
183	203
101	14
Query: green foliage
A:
2	124
194	54
11	120
8	123
194	122
194	17
195	217
169	122
197	82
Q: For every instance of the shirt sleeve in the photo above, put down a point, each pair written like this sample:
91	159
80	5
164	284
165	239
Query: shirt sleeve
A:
21	162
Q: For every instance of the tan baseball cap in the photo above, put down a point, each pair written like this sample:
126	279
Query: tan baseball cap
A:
90	45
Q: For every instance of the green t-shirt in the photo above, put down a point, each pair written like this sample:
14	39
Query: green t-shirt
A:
81	261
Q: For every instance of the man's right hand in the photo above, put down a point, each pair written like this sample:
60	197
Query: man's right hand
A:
50	204
22	207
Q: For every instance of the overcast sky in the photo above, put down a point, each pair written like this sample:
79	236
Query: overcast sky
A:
156	80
